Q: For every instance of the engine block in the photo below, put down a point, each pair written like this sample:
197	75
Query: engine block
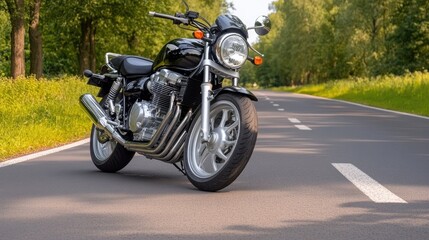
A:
161	85
145	117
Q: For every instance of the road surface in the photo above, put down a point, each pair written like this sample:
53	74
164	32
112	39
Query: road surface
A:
321	169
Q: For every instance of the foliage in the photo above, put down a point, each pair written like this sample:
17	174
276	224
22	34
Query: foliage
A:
36	114
406	93
122	26
316	40
4	43
409	43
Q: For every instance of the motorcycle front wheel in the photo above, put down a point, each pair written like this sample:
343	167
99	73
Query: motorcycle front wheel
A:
214	165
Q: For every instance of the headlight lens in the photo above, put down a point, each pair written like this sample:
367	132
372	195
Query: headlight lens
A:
232	50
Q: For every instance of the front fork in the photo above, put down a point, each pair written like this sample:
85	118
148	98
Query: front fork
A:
207	93
207	96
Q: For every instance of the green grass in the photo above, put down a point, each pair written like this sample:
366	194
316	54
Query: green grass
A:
409	93
39	114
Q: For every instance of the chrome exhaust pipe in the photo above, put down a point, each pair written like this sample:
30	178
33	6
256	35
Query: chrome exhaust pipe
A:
99	117
94	111
167	147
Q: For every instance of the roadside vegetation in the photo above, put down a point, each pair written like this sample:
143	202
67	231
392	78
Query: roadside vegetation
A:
38	114
330	48
408	93
316	41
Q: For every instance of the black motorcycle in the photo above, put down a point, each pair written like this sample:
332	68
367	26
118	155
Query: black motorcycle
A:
175	108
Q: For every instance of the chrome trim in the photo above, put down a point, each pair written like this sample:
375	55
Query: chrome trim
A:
235	82
99	117
256	51
220	70
110	55
162	142
178	154
173	138
218	49
206	95
165	149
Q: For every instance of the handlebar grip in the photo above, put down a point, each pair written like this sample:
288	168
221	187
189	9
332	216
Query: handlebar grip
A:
89	74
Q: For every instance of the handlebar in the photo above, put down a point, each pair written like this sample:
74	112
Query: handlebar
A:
177	20
89	74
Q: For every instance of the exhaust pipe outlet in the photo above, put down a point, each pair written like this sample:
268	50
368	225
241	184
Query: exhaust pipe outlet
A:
93	109
99	117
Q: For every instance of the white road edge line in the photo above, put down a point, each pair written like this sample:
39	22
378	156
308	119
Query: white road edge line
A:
303	127
43	153
281	109
276	105
371	188
365	106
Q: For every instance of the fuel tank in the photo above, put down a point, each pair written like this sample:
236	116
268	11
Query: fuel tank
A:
180	54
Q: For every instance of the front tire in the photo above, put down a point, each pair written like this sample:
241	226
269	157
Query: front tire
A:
214	165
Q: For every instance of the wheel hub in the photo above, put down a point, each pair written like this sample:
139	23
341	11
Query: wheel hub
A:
217	140
103	137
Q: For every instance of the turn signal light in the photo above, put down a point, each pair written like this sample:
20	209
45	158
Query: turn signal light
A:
258	61
198	34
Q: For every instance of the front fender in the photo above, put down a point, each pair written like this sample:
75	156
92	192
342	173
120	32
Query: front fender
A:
238	90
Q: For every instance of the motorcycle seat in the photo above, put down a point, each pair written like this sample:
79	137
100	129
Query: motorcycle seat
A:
132	66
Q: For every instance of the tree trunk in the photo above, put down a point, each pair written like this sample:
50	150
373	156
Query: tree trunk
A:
36	52
17	19
92	53
84	46
87	59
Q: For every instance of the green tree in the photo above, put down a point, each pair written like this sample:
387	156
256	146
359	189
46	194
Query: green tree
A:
329	39
4	41
409	43
86	29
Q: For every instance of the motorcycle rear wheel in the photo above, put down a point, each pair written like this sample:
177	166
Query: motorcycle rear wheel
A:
106	154
214	165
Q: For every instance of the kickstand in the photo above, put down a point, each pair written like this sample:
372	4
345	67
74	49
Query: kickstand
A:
181	168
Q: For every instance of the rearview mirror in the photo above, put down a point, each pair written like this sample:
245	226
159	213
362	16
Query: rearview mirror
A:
262	25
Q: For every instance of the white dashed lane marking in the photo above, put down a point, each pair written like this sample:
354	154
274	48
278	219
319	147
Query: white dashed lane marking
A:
299	126
294	120
374	190
303	127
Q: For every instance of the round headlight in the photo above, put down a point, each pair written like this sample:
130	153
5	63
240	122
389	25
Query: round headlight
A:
232	50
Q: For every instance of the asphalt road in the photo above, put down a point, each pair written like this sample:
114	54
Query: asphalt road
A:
289	190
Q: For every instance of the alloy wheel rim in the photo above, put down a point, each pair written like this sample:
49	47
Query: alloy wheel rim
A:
102	151
207	159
